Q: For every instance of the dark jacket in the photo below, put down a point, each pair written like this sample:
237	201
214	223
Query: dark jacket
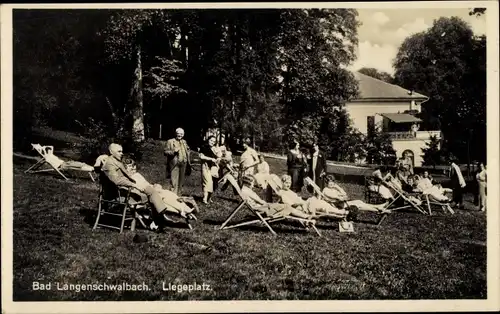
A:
320	166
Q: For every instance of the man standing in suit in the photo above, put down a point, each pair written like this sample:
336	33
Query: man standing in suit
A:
317	166
177	152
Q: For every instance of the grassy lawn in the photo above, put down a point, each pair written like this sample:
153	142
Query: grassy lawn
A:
410	256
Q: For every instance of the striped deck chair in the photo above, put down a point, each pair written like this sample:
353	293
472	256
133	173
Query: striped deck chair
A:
56	164
261	216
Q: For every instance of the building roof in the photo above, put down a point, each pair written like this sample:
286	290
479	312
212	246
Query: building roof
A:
374	89
401	117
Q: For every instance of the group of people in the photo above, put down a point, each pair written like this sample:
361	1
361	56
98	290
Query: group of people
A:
253	171
122	172
310	163
332	201
383	181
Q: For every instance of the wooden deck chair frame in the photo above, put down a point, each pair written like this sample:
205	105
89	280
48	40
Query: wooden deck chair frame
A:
128	211
318	191
36	167
266	221
429	202
400	194
403	195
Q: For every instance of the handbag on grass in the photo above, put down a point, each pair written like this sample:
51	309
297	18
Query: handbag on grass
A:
346	226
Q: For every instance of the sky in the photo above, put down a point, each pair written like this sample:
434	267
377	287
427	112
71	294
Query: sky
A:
383	31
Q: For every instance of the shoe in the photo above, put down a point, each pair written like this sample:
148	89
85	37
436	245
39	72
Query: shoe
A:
153	226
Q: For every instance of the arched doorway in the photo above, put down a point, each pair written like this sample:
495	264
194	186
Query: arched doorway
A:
409	157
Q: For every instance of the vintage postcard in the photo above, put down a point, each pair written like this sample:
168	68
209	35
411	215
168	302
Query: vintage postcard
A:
250	157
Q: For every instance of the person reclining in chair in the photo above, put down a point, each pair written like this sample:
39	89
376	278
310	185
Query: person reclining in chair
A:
270	209
115	171
263	177
379	181
174	204
312	205
424	185
48	153
336	194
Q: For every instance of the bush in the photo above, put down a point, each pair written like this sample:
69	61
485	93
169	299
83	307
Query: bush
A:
99	137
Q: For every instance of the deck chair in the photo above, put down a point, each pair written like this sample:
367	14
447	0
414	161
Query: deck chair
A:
56	164
261	218
400	194
116	201
429	201
371	197
318	192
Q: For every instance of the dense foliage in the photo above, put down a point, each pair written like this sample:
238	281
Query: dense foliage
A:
448	64
381	75
143	73
274	75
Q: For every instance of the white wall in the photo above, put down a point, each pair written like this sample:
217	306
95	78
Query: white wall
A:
415	145
359	111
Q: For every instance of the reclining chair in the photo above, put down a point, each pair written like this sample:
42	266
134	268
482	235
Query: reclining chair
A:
57	164
261	217
116	201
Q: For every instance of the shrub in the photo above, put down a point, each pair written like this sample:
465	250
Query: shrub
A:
99	137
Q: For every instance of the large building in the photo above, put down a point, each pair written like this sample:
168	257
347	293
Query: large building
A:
391	109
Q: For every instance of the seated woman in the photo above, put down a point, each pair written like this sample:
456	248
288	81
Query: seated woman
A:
378	183
402	173
56	162
312	205
99	162
270	209
171	200
409	185
263	178
334	193
423	185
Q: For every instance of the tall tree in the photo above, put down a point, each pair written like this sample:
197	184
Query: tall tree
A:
381	75
52	52
315	47
432	153
447	63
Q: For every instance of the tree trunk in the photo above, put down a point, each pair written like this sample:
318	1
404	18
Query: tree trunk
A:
138	108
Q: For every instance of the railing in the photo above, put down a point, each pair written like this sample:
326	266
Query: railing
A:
408	135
